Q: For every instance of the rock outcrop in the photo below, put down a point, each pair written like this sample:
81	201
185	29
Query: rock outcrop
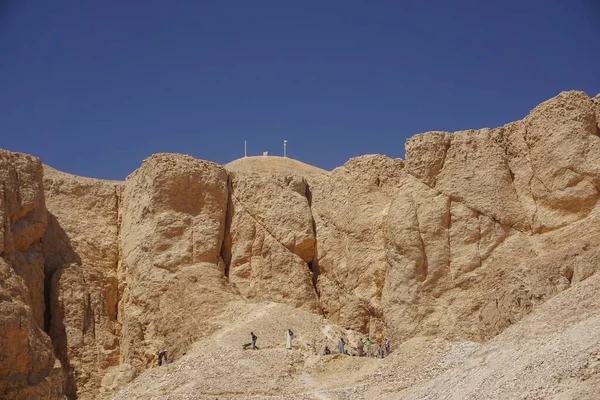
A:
81	256
173	225
270	243
459	241
350	208
28	368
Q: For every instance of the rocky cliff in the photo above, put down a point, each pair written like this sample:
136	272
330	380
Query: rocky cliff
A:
459	241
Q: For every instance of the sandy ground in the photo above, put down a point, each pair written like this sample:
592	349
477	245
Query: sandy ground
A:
554	353
219	368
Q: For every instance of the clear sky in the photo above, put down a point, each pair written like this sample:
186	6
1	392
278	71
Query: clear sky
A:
94	87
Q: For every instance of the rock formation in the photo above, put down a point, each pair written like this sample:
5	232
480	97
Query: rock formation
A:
27	364
270	243
172	229
459	241
81	255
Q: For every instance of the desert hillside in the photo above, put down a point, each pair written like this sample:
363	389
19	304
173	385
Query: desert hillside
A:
474	255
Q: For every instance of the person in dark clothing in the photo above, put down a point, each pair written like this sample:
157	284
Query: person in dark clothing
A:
326	351
387	346
252	342
162	355
379	352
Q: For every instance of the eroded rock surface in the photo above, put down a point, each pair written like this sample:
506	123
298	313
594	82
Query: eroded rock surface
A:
81	257
27	363
173	225
270	243
350	209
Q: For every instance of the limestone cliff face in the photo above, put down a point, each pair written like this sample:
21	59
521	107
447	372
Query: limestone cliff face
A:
462	239
270	243
479	231
27	365
173	226
350	209
81	257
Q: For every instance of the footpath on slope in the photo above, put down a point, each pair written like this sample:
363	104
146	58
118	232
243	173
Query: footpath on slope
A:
218	367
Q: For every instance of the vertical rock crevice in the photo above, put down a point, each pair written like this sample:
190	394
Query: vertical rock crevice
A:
423	269
313	265
227	240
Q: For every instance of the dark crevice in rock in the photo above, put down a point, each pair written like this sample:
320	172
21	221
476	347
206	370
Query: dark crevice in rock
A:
315	277
47	302
58	335
58	255
421	270
313	266
227	243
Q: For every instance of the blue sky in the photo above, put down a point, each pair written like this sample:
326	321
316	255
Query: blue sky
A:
94	87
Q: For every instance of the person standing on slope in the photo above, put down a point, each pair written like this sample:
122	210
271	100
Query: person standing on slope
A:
387	346
341	344
162	355
379	352
359	348
368	343
288	339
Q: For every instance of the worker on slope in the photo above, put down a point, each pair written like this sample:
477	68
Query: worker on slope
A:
162	355
253	340
368	343
379	352
341	344
289	335
387	346
359	348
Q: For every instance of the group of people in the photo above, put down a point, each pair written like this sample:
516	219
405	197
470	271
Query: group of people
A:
289	336
360	346
360	351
